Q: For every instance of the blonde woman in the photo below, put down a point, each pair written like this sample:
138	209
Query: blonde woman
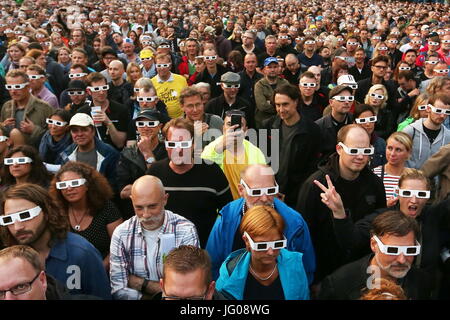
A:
377	98
64	58
134	73
419	110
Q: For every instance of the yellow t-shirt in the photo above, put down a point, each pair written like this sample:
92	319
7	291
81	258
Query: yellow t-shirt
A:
169	92
232	167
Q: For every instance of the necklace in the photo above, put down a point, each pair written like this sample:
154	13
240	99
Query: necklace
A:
78	223
263	279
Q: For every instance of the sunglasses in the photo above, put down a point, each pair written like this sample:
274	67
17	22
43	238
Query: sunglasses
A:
397	250
415	35
70	183
382	48
3	138
178	144
431	62
75	93
146	99
377	96
77	75
308	85
162	65
231	86
366	120
210	58
40	36
422	108
353	86
263	246
404	68
441	71
57	30
421	194
393	41
374	38
20	216
445	41
146	59
416	42
145	43
136	89
99	88
352	43
150	124
19	160
18	32
257	192
164	46
395	32
343	98
439	110
16	86
299	39
36	76
340	39
55	122
46	43
310	42
433	43
357	151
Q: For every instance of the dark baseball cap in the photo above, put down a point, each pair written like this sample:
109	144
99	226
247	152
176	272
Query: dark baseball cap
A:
150	114
76	85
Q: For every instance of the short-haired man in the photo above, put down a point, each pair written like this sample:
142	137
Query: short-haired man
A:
187	275
29	216
264	91
185	180
76	91
38	77
338	59
270	43
76	72
249	77
212	72
444	51
139	245
361	69
429	134
407	93
113	118
312	103
393	52
309	57
168	85
299	142
80	41
129	53
394	244
258	187
248	44
120	90
361	190
24	114
293	70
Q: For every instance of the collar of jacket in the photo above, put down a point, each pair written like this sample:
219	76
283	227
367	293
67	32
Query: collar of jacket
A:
331	167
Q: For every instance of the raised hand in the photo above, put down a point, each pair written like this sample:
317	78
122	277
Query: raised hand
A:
331	198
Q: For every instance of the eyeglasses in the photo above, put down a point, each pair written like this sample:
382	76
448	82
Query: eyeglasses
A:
150	124
407	193
374	38
164	46
19	289
36	76
431	62
343	98
439	110
377	96
422	108
340	39
416	42
263	246
299	39
19	160
18	32
77	75
3	138
136	89
231	86
146	99
55	122
75	93
40	36
445	41
210	58
393	41
16	86
445	71
178	144
415	35
357	151
382	48
257	192
353	86
20	216
162	65
70	183
352	43
46	43
404	68
308	85
146	59
310	42
397	250
433	43
366	120
99	88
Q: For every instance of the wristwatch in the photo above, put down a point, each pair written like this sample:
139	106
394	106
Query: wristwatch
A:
150	160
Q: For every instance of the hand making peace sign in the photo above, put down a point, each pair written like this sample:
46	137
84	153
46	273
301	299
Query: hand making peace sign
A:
331	198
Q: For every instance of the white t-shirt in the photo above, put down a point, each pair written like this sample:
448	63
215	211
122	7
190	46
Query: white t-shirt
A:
151	238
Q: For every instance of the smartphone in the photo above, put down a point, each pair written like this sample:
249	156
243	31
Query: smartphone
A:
236	119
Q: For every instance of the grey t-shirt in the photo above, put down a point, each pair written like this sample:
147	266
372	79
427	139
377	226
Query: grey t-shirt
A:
89	157
19	116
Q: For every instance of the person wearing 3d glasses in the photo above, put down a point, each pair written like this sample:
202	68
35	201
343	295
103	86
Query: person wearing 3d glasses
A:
264	270
395	242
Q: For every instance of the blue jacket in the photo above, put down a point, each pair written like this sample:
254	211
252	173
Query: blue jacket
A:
77	264
220	241
232	280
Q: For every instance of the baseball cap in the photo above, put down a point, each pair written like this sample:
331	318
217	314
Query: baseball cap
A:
128	40
230	77
338	89
150	114
346	79
76	85
81	119
146	53
269	60
209	29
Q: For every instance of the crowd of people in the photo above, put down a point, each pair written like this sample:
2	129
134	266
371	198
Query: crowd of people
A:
224	150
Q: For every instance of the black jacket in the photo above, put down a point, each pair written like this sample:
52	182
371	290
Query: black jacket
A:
364	197
364	74
216	90
349	283
219	106
329	134
297	157
396	57
364	86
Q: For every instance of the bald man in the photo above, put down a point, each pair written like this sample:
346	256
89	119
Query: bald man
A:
119	89
292	71
139	245
225	237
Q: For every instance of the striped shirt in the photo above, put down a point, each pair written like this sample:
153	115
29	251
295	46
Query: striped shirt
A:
129	251
390	182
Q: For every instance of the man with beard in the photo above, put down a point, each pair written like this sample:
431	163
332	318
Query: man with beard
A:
258	187
394	245
28	216
138	245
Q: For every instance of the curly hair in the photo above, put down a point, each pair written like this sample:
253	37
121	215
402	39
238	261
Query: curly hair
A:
57	221
99	189
38	174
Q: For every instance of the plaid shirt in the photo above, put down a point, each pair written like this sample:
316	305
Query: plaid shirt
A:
129	251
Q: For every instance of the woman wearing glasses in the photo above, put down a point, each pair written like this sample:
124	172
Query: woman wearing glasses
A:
84	195
57	138
419	110
377	98
264	270
23	164
366	117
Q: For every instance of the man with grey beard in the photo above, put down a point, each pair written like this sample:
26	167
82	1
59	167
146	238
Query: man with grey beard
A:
394	246
139	245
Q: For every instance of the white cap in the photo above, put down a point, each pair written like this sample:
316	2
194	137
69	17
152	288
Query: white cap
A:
346	79
82	120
